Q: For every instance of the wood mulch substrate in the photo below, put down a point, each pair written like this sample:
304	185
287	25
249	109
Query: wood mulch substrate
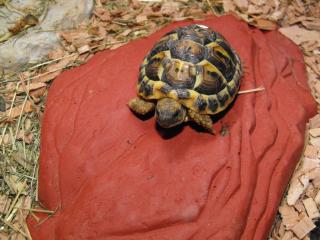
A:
114	23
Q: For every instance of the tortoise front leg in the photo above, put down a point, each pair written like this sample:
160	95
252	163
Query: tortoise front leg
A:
141	106
202	120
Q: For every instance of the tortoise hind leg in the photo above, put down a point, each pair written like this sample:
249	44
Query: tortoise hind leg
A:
202	120
141	106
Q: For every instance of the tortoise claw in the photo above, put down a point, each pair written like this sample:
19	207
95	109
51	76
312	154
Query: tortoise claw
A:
203	120
140	106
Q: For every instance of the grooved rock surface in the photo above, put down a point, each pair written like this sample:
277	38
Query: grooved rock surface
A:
111	175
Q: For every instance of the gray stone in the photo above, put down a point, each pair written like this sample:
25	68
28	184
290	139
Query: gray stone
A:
67	14
27	49
14	10
38	41
35	7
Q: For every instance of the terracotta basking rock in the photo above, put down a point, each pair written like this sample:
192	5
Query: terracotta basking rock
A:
111	175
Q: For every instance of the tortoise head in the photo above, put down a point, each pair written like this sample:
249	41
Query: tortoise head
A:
170	113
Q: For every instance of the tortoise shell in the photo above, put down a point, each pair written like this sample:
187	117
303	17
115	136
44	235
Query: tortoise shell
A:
193	65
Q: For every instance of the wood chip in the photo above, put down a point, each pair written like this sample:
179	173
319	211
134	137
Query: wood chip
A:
287	236
26	204
98	31
20	159
302	228
299	207
27	124
314	176
53	70
36	94
229	6
7	139
311	151
315	121
16	111
47	77
126	32
309	164
297	187
311	190
14	183
314	24
57	53
317	198
289	216
26	137
103	14
241	4
84	49
316	86
4	236
141	18
73	36
136	4
279	13
315	141
254	10
31	86
299	34
169	8
264	24
282	229
316	182
314	132
311	208
312	63
117	45
5	202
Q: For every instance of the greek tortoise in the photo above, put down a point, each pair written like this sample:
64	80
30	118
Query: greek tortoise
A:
191	73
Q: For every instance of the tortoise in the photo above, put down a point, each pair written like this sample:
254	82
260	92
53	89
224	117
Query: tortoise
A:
190	74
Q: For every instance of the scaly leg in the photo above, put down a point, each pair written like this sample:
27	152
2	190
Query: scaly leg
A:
202	120
141	106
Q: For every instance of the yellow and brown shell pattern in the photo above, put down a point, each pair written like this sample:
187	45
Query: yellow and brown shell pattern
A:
193	65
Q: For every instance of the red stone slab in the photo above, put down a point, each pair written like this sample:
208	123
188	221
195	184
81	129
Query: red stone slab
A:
110	175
